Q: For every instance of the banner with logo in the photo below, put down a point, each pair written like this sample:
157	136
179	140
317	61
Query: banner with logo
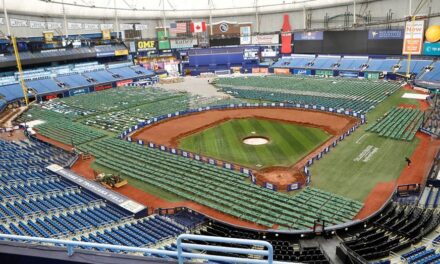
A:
381	34
37	24
271	39
106	26
18	22
54	25
229	28
145	45
432	49
183	43
48	36
122	52
140	27
71	25
413	39
126	26
250	54
245	35
162	39
91	27
312	35
286	36
106	34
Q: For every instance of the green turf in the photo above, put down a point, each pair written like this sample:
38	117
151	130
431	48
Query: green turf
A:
340	173
288	142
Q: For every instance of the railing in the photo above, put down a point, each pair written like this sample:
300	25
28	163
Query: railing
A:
179	254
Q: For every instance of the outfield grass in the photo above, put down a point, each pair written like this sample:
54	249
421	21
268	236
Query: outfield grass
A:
346	172
288	142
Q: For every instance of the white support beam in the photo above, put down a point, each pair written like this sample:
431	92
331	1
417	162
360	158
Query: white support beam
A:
5	11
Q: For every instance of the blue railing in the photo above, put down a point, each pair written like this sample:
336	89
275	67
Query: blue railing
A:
180	254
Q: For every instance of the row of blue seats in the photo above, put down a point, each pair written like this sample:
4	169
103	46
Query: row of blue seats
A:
141	233
42	187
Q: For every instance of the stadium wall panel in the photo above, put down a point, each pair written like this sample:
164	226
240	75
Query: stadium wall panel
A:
345	42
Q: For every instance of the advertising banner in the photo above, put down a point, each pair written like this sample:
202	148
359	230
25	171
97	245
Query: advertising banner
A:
145	45
382	34
37	24
18	22
123	83
245	35
281	71
140	27
126	26
103	87
71	25
54	25
183	43
121	52
432	49
286	36
91	27
162	39
272	39
106	26
78	91
226	28
312	35
250	54
413	40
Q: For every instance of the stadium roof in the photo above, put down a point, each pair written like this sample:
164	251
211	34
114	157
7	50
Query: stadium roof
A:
154	8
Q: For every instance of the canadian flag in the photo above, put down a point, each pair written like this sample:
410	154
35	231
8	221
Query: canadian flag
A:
197	27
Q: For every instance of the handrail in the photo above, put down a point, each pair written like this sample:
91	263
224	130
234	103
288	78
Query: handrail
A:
181	246
179	254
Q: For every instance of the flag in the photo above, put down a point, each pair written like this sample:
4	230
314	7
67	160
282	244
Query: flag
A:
178	28
198	27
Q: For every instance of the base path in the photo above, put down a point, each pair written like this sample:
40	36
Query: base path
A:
421	159
170	131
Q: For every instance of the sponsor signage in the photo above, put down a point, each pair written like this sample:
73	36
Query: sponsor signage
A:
245	35
91	27
348	74
123	83
37	24
272	39
162	38
145	45
412	42
302	72
281	71
183	43
140	27
98	189
432	49
286	36
232	28
121	52
105	54
54	25
106	26
78	91
72	25
250	54
126	26
312	35
268	53
379	34
18	22
103	87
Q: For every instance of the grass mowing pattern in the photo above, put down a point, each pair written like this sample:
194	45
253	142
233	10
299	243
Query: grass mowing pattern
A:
340	173
288	142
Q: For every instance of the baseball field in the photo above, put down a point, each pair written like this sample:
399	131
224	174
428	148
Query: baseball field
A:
286	142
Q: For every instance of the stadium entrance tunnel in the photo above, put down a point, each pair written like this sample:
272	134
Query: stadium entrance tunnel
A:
255	140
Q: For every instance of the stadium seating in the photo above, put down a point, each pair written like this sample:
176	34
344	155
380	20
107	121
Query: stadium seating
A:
292	62
325	62
349	94
352	63
398	123
73	80
381	65
44	86
433	75
228	192
416	66
284	250
12	92
68	133
101	76
396	228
